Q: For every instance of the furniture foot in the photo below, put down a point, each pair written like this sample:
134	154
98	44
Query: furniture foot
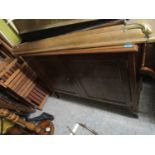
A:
57	95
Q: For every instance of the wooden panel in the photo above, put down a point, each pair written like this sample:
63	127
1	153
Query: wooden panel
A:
106	77
55	72
102	77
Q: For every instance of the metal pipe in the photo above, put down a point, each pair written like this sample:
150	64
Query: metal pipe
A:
145	28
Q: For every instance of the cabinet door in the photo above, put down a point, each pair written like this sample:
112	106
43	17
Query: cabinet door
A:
102	77
54	73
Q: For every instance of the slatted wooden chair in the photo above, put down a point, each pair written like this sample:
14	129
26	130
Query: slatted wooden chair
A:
20	80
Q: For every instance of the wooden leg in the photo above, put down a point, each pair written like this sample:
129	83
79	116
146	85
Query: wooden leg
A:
1	119
57	95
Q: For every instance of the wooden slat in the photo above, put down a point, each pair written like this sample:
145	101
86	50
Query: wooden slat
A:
8	67
25	86
40	91
34	97
2	84
3	79
19	83
10	72
31	103
29	87
38	95
7	74
20	80
42	103
15	81
23	83
13	76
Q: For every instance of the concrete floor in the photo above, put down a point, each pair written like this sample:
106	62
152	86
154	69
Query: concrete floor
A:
105	121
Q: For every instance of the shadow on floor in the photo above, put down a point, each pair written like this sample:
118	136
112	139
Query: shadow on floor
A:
98	105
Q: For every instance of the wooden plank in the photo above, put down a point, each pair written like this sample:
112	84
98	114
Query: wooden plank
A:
30	102
7	74
46	43
2	84
23	83
20	80
43	102
3	79
29	87
12	69
8	67
27	83
15	81
38	93
26	89
14	75
101	37
10	72
19	83
32	99
40	96
40	101
35	97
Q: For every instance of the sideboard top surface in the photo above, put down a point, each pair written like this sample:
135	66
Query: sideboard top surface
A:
90	39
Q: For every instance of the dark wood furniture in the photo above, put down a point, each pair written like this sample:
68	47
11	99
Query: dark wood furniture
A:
109	76
96	64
